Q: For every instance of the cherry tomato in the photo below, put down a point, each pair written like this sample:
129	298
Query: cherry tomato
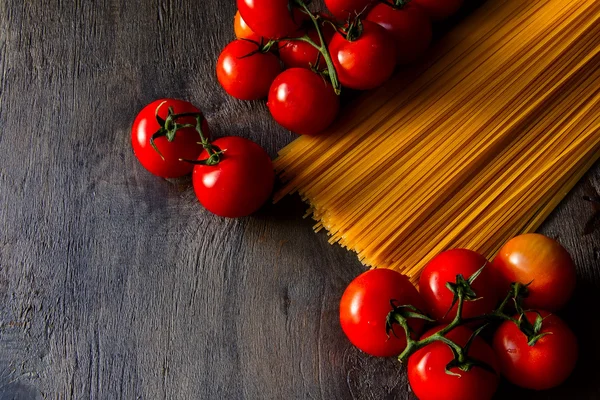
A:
366	62
442	269
439	10
409	26
240	183
302	101
242	30
295	53
184	146
343	9
547	363
246	73
427	370
364	308
271	18
542	261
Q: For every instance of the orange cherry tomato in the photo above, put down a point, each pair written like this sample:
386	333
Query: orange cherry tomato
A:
542	261
242	30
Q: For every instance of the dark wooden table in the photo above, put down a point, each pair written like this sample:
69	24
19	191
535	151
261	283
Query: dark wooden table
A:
115	284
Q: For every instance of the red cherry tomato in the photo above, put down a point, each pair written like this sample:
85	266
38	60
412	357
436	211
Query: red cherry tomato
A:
365	305
184	146
245	76
302	101
542	261
240	183
409	26
427	370
442	269
295	53
343	9
366	62
439	10
271	18
242	30
547	363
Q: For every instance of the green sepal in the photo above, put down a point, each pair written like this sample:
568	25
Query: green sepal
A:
399	4
519	294
261	47
467	362
475	333
400	315
355	29
158	134
476	275
533	340
532	331
169	126
537	325
467	365
463	286
213	159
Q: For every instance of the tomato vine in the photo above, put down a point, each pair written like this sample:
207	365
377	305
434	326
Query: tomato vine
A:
463	291
322	47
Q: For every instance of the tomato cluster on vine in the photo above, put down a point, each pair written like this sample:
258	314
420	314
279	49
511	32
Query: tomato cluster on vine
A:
232	176
300	60
460	295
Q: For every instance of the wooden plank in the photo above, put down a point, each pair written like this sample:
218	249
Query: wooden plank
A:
117	285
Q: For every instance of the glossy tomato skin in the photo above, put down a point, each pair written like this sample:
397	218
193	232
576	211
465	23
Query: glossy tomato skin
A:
270	18
240	184
185	145
439	10
302	101
442	269
547	363
299	54
542	261
343	9
366	62
246	77
365	305
242	30
427	370
409	26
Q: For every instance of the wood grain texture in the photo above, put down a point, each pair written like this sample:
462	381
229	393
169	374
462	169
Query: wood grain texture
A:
117	285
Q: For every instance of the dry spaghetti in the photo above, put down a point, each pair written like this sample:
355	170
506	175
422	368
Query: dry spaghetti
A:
474	148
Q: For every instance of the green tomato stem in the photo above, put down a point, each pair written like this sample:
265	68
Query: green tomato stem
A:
322	48
414	345
461	352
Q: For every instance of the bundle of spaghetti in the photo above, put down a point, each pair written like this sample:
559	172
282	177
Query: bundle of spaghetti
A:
479	145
